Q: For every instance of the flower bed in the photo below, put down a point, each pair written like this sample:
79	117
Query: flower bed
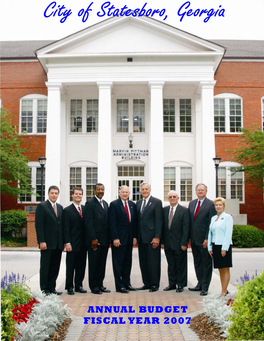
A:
28	316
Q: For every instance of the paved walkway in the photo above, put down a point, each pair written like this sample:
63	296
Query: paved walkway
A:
136	325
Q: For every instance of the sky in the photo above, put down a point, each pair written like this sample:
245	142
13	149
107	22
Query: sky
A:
25	20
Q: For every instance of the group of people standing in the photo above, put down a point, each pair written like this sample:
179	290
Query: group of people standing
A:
124	224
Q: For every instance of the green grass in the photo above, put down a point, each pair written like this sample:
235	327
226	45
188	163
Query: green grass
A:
13	242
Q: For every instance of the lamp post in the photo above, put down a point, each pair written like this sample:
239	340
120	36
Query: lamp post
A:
130	139
42	162
216	162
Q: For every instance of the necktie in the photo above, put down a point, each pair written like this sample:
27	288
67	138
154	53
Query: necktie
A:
101	202
170	217
80	211
143	207
55	210
197	209
127	212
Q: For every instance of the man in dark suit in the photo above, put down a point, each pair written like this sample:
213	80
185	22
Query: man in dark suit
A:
74	239
97	238
150	221
176	229
201	211
122	222
48	224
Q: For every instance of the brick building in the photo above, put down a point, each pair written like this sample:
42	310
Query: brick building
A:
180	98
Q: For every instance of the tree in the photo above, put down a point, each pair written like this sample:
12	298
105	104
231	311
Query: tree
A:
13	163
250	154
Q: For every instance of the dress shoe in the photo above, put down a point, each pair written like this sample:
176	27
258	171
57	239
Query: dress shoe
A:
145	287
197	288
153	288
103	289
56	292
46	292
179	289
96	291
168	288
70	291
122	290
130	288
204	293
81	290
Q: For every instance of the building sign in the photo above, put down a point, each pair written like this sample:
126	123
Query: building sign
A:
130	153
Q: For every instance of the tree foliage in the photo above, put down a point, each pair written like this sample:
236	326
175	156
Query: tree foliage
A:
250	154
13	163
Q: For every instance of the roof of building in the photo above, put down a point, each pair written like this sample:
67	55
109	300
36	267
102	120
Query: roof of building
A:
239	49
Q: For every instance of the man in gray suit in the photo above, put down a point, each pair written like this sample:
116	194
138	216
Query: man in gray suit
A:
176	229
201	211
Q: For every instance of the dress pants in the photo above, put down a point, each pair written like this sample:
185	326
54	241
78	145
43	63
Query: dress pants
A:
97	264
149	261
75	268
122	263
49	269
203	265
177	267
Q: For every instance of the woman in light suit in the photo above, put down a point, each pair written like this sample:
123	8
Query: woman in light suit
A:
220	242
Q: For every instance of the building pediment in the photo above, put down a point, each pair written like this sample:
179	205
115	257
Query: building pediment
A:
128	36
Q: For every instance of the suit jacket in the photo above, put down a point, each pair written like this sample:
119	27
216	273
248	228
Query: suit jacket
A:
48	226
73	227
200	225
222	232
96	222
178	234
120	228
151	221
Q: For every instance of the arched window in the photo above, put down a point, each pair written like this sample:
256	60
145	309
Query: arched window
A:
33	114
230	186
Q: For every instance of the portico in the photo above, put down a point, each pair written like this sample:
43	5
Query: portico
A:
130	76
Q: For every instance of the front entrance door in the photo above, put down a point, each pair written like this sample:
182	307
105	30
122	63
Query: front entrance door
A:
132	177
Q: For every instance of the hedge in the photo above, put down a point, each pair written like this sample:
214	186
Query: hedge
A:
13	221
247	236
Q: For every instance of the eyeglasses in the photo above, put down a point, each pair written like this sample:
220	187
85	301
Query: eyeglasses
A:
173	197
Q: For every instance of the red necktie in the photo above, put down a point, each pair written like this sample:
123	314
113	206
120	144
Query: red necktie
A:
197	209
80	211
127	212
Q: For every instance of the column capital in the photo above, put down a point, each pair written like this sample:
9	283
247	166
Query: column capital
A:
156	85
207	84
54	86
105	85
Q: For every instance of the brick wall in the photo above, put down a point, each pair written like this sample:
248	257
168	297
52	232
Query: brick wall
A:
245	79
31	232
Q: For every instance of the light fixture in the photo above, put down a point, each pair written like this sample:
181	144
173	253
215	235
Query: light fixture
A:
42	162
216	162
130	139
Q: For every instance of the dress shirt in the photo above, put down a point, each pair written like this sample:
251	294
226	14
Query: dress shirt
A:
174	209
53	204
76	206
100	201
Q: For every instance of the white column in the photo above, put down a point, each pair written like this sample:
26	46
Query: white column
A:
105	138
53	137
64	190
156	152
207	137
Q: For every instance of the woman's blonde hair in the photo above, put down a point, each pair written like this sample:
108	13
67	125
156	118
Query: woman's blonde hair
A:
220	199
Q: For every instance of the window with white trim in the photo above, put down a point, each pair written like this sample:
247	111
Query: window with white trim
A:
230	186
84	116
228	113
177	115
34	179
85	178
127	111
178	179
33	114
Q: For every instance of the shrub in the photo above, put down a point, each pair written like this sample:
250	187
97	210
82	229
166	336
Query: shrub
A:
13	221
247	236
248	311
